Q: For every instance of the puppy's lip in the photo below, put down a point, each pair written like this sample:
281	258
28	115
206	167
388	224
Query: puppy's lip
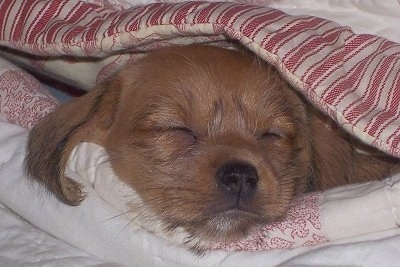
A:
231	225
234	214
230	208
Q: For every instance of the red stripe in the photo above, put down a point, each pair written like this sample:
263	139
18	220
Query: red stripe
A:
18	25
304	26
180	15
288	31
157	16
258	22
374	95
91	30
240	12
115	25
332	63
396	139
5	9
392	114
137	13
392	106
204	14
75	28
350	81
51	14
311	47
87	22
73	17
49	11
377	54
368	99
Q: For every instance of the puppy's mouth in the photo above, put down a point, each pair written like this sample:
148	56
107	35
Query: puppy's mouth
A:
222	227
236	208
234	223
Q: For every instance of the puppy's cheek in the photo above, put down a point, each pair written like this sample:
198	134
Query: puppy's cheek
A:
280	172
163	172
275	197
278	147
270	184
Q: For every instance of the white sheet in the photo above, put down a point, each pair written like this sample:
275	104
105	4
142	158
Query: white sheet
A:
21	244
360	209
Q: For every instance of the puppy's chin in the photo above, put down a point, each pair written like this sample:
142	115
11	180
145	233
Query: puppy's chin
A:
228	226
202	235
232	225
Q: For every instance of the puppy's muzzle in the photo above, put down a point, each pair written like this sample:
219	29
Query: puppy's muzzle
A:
237	180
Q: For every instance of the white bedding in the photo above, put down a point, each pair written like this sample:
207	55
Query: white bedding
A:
22	244
87	230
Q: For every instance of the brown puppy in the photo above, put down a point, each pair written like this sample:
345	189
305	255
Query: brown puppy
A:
214	141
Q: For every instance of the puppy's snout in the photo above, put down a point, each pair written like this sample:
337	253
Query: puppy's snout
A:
237	179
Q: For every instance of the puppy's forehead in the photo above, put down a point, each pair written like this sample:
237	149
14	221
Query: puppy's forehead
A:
202	73
207	81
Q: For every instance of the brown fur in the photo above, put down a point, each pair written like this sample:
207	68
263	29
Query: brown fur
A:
171	120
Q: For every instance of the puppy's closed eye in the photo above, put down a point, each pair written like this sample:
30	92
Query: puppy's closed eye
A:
179	139
271	134
215	142
182	132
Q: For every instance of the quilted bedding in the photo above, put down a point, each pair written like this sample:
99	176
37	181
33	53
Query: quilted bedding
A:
354	77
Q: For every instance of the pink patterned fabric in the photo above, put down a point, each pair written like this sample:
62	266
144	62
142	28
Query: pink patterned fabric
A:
22	99
301	228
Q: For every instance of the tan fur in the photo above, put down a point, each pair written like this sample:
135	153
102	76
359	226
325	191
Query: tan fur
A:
171	120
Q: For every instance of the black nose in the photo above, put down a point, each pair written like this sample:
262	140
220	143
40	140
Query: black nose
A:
237	178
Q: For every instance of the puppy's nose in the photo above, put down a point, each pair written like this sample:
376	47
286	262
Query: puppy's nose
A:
237	179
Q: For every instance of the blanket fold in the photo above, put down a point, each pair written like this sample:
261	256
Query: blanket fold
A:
359	209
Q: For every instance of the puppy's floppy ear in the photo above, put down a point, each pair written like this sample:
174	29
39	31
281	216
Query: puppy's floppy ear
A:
87	118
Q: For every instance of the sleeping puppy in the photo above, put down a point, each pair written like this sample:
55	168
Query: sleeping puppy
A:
214	141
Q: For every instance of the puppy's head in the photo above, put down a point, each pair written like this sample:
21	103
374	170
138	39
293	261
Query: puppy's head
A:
214	141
